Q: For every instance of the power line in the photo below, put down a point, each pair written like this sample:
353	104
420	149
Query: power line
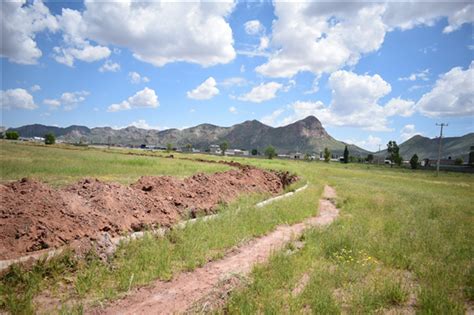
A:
439	145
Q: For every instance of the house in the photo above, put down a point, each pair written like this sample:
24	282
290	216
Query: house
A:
215	149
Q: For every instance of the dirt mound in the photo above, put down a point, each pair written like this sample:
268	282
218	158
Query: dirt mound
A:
34	216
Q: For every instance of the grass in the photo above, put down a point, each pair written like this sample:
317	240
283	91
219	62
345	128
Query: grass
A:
60	165
401	233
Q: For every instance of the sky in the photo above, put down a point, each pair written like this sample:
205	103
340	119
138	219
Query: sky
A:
369	71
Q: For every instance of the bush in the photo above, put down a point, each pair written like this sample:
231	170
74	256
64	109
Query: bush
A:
327	155
12	135
458	161
254	151
270	152
49	138
414	162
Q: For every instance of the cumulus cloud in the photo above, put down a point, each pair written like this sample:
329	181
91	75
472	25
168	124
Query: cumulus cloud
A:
322	37
452	94
68	99
233	110
200	31
254	27
145	98
142	124
399	107
205	90
16	98
136	78
355	102
407	132
20	23
262	92
109	66
371	143
422	75
75	45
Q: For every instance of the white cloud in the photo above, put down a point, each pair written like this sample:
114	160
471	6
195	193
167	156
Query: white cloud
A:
233	81
452	94
233	110
315	85
35	88
205	90
407	132
142	124
109	66
254	27
271	119
187	31
242	68
371	143
355	103
264	42
16	98
136	78
68	99
145	98
20	23
399	107
322	37
422	75
75	45
262	92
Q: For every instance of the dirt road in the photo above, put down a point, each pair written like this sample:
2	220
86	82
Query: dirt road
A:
179	294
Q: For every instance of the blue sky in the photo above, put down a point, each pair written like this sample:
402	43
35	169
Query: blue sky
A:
371	72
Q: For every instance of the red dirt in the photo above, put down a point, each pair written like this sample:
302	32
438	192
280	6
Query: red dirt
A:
34	216
181	293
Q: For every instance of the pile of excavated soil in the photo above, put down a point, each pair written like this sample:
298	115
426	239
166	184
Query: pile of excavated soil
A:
34	216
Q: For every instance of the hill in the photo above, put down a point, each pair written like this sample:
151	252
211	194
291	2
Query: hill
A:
427	148
306	135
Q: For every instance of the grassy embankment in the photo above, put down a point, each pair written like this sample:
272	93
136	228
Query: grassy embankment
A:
142	261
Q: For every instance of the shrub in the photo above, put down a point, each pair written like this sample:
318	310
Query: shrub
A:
414	162
254	151
458	161
270	152
49	138
327	155
346	155
12	135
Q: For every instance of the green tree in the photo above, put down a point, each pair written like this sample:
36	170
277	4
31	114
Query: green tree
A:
12	135
169	147
394	151
458	161
327	155
270	152
224	146
346	155
49	138
254	151
370	158
189	147
414	161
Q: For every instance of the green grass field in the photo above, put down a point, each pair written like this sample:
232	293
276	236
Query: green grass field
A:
60	165
403	237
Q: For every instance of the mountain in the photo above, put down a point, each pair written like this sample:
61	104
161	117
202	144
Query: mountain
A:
427	148
306	135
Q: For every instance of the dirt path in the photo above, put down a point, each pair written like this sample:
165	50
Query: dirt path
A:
178	295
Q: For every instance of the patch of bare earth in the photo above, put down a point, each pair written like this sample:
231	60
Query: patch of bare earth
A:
34	216
182	293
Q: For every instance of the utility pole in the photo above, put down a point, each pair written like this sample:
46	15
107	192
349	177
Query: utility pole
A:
439	145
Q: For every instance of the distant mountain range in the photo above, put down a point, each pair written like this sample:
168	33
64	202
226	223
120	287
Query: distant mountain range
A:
427	148
306	136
